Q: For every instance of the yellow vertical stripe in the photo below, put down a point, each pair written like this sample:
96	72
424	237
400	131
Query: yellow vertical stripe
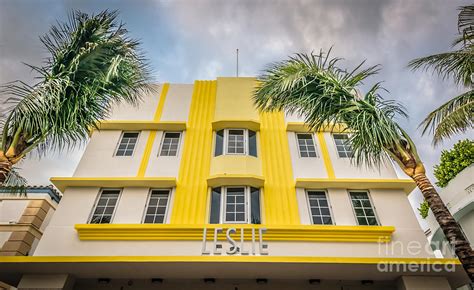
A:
191	192
326	158
151	138
281	206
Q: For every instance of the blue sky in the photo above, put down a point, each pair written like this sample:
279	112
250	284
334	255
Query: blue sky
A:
189	40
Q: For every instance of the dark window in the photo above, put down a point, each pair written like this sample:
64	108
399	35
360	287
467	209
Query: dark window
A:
255	206
105	207
319	206
157	206
252	143
219	143
363	209
215	205
343	145
306	145
127	144
169	146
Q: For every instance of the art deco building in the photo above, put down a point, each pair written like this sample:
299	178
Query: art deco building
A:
194	189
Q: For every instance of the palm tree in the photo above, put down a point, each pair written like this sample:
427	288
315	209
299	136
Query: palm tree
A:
316	88
92	66
457	115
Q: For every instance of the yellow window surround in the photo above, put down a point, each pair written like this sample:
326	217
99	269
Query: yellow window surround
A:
181	232
64	182
235	179
407	185
246	124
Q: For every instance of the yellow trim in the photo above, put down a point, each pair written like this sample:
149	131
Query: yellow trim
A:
246	124
236	164
280	204
406	185
294	233
151	138
325	153
161	103
189	206
220	259
63	182
301	127
139	125
235	179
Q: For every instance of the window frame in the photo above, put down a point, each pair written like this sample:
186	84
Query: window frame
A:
163	139
224	204
349	191
314	145
226	140
248	205
335	146
120	142
333	222
97	199
168	204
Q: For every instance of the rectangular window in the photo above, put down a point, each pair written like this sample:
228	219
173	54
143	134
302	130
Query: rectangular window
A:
127	144
306	145
343	145
157	206
236	204
363	209
105	207
170	144
319	206
236	141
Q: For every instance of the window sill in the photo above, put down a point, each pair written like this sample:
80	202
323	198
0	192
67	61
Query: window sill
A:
289	233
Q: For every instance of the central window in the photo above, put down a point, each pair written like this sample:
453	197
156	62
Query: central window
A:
236	142
235	204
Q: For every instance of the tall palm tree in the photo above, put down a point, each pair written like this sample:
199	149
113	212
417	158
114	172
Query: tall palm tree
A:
93	65
456	115
316	88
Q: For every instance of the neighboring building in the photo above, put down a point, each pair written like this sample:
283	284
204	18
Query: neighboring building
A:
155	186
24	215
458	196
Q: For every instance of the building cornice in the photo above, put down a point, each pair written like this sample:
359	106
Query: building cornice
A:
235	179
407	185
138	125
246	124
64	182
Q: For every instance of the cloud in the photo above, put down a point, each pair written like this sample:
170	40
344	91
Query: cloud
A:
187	40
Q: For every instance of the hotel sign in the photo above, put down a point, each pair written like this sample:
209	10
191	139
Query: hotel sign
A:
232	246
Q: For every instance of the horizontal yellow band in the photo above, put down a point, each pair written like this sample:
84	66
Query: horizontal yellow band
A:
63	182
301	127
142	125
219	259
235	179
244	124
307	233
407	185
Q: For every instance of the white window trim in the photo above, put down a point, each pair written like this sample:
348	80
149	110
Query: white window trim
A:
335	146
165	218
371	203
120	141
89	219
314	144
329	205
163	139
247	199
226	138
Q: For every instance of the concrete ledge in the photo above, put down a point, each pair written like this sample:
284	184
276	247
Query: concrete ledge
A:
142	125
235	179
407	185
245	124
64	182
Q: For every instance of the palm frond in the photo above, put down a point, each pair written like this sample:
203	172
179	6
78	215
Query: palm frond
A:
93	65
316	88
455	116
15	182
458	64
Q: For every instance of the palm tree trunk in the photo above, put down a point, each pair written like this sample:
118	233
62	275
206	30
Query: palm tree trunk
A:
5	168
447	223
